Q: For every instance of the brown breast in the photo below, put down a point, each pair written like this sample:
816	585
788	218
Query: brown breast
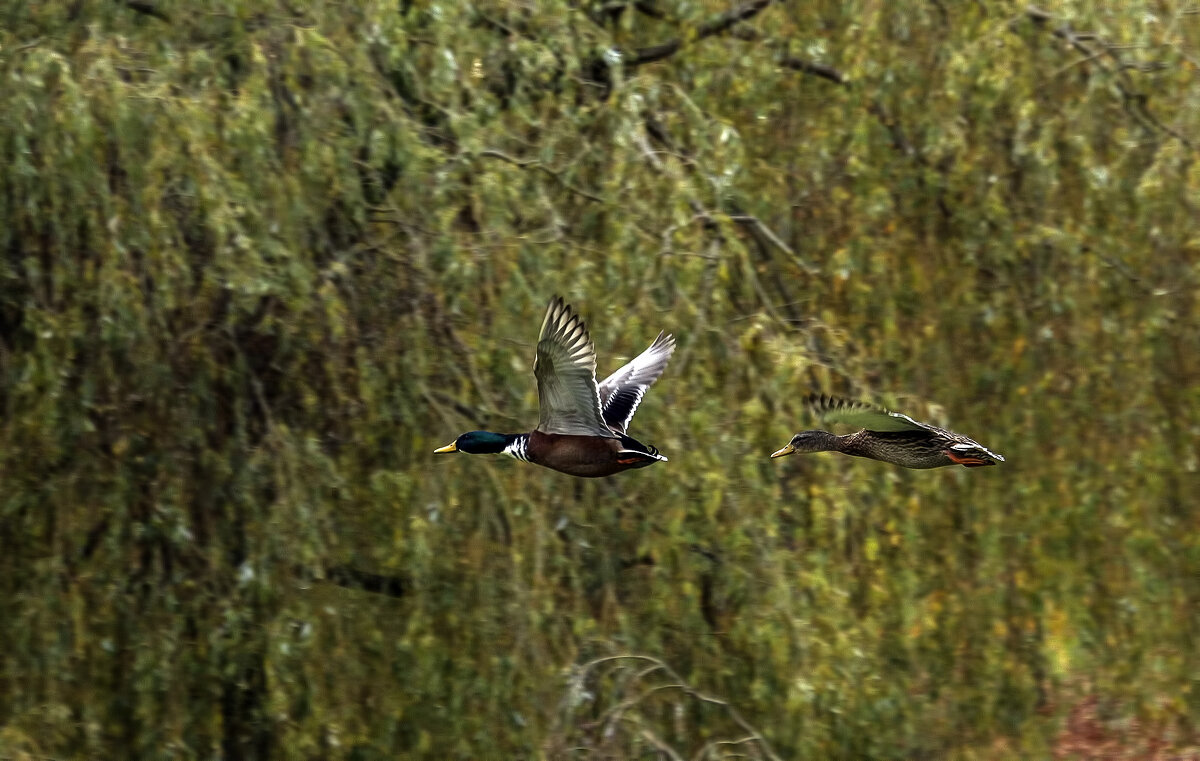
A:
584	456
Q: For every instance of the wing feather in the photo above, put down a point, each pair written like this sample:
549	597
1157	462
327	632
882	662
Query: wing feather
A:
623	391
862	415
565	368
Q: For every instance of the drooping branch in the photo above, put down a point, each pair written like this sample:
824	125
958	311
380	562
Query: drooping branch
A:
758	230
1096	49
535	164
899	138
671	681
1091	45
763	240
816	69
720	24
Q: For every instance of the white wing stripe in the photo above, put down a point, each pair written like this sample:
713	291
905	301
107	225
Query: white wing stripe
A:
634	379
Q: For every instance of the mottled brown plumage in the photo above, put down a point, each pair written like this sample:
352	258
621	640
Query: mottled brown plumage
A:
889	437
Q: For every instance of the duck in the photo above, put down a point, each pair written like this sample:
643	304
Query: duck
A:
583	425
888	437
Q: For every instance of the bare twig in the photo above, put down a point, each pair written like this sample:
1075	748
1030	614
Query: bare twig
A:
27	46
900	140
1137	280
750	220
255	383
718	743
527	163
660	744
758	229
678	683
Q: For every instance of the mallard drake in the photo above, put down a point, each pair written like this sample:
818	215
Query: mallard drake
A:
888	436
582	428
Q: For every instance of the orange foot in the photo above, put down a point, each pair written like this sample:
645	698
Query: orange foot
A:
970	461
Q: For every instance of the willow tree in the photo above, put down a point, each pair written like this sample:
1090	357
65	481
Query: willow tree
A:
258	260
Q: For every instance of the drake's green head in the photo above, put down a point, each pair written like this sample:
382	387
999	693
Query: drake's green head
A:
479	442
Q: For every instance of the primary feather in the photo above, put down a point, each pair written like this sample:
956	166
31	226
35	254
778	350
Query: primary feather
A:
862	415
565	368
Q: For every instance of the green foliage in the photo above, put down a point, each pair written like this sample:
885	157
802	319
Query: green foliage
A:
257	261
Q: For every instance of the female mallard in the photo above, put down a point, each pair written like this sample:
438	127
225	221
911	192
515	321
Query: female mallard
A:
888	436
582	427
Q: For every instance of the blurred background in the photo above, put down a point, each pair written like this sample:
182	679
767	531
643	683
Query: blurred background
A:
258	259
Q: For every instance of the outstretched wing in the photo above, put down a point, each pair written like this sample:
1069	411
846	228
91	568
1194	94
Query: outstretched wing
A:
622	392
862	415
565	368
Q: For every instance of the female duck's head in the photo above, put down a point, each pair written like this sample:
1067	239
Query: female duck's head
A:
810	441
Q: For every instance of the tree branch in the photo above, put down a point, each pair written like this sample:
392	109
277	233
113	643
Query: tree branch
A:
676	682
527	163
816	69
643	7
900	140
720	24
147	9
648	9
758	229
1135	103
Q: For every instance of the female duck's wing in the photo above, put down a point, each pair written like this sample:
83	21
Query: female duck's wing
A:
862	415
565	368
622	392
